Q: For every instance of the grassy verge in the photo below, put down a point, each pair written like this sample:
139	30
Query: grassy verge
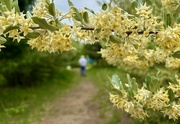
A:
99	76
27	105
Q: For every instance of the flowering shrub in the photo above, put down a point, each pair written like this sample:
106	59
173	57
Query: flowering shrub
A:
142	40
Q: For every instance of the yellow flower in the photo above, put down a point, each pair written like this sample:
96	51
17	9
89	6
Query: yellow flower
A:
142	95
169	39
144	11
18	38
128	106
25	30
138	111
159	100
173	111
172	62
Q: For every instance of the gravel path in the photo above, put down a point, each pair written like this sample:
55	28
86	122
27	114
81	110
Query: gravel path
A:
75	107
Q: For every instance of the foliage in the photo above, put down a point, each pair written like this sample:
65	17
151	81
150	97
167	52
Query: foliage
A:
25	5
142	40
91	50
28	105
31	68
27	70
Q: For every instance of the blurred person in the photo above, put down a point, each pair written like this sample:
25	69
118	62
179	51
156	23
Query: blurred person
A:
82	62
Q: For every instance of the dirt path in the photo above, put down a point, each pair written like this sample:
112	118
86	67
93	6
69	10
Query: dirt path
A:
75	107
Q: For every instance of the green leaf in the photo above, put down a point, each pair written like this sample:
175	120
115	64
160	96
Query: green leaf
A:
115	39
145	85
129	80
48	2
154	86
116	82
8	4
3	8
110	3
115	91
171	95
2	40
77	15
86	17
58	23
130	87
139	3
172	79
16	6
176	14
32	35
104	6
168	19
134	4
159	74
9	28
43	24
130	92
176	54
151	45
52	9
70	3
90	10
148	81
134	85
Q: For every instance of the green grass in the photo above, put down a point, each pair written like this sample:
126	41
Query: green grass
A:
99	76
27	105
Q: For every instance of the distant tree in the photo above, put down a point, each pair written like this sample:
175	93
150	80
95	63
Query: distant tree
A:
25	5
91	50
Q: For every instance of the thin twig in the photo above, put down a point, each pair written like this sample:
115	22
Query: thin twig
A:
91	29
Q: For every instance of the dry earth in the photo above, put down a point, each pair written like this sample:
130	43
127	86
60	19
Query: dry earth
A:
75	107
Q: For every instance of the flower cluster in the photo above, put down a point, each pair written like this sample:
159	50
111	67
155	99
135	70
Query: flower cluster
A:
172	111
142	95
15	25
57	41
139	106
169	39
135	109
16	21
159	100
145	47
40	9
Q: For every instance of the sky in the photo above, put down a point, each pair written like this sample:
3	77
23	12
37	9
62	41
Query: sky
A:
62	5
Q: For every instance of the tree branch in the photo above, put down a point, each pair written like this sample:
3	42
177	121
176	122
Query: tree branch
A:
91	29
